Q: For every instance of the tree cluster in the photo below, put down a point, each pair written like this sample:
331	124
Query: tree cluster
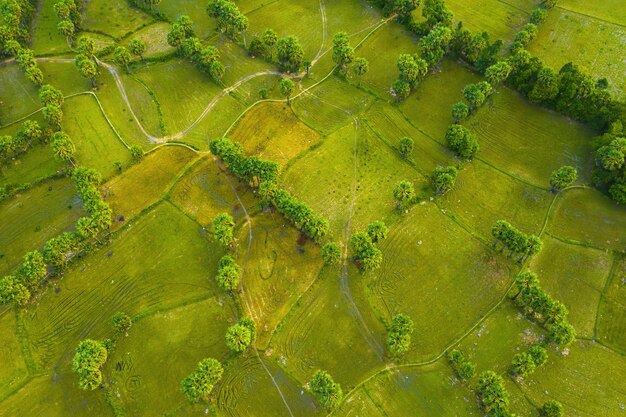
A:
404	194
610	168
70	18
287	50
343	53
51	99
26	61
525	363
122	323
462	141
19	287
412	69
462	367
229	18
435	13
264	174
228	273
493	397
540	305
199	384
16	16
146	5
515	240
563	177
524	37
363	246
331	253
240	336
327	391
207	59
223	225
551	408
29	135
251	169
571	91
443	179
399	334
86	62
89	358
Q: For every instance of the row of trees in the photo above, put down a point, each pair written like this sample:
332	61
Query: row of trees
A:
399	334
70	18
327	391
14	26
223	226
263	174
51	99
515	240
364	246
30	275
207	59
463	368
541	306
525	363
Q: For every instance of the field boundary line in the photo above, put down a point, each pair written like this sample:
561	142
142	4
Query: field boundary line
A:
591	16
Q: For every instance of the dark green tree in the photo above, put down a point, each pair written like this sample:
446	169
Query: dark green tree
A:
406	147
327	391
199	384
331	253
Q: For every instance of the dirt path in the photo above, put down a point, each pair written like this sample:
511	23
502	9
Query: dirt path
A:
324	33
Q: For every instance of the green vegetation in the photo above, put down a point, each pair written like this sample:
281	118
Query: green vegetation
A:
343	208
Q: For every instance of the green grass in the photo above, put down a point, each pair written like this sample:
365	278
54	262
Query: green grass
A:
65	77
382	50
301	18
182	90
215	123
144	105
31	218
588	381
38	162
117	111
388	123
139	272
592	43
575	276
279	138
331	105
321	333
245	385
482	195
428	257
14	370
97	146
205	191
528	141
18	96
501	20
143	184
610	10
423	391
589	217
48	395
45	39
429	106
203	24
155	37
278	269
611	325
114	17
146	372
504	333
358	188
